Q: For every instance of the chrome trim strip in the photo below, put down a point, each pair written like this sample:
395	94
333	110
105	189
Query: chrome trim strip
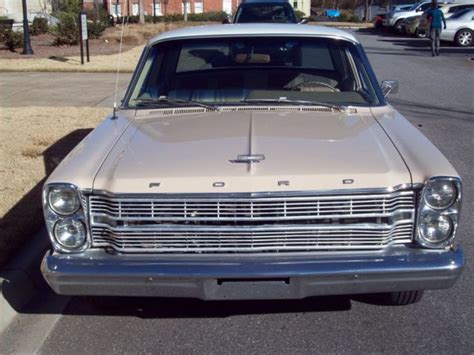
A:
351	192
269	227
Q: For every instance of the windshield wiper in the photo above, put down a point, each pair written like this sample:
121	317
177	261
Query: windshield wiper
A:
340	108
167	100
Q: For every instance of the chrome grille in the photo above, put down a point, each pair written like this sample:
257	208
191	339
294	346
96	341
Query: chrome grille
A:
246	224
245	209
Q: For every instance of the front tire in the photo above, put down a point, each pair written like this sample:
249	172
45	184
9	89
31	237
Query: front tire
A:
463	38
420	34
398	26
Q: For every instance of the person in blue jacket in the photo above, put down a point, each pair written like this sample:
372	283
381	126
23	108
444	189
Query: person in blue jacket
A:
436	18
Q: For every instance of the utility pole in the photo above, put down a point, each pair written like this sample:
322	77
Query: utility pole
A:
154	11
27	50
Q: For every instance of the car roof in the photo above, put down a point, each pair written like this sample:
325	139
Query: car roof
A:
253	29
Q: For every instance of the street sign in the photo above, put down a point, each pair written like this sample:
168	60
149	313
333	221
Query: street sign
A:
84	26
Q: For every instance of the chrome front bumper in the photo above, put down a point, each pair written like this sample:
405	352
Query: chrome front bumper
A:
251	277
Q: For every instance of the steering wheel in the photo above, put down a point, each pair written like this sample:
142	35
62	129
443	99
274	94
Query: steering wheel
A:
313	82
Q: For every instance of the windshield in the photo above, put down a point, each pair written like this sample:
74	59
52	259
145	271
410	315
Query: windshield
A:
254	13
236	70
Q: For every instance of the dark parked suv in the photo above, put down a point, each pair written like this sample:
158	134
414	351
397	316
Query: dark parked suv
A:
255	11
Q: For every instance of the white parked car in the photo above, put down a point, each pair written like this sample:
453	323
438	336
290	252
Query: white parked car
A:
448	11
459	28
254	162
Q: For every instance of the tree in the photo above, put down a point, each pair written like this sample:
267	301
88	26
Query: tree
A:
142	13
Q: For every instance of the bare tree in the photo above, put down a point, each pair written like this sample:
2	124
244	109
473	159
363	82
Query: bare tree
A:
142	12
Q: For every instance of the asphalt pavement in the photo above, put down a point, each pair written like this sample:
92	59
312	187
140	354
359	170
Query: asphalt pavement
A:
436	95
61	89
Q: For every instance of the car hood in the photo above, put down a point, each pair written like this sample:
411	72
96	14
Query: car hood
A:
195	153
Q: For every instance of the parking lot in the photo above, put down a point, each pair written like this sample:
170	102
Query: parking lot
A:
436	95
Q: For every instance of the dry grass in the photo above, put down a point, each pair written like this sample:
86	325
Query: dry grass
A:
33	140
136	35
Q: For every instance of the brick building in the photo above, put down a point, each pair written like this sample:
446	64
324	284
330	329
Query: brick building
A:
164	7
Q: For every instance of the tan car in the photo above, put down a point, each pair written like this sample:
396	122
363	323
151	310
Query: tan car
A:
254	162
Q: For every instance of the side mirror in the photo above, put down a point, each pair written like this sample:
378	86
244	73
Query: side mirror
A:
389	87
226	21
304	20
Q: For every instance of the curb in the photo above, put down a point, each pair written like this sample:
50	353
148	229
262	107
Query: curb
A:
21	280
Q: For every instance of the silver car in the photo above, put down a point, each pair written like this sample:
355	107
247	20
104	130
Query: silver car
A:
459	28
395	18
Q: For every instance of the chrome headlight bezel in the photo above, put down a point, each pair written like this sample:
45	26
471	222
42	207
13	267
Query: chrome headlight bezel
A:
451	211
70	190
52	217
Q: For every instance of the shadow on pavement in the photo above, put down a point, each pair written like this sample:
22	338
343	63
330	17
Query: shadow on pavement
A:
20	226
150	307
413	44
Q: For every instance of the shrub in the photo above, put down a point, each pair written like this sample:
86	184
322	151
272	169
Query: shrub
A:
67	29
353	18
96	28
98	21
345	17
39	26
13	39
216	16
212	16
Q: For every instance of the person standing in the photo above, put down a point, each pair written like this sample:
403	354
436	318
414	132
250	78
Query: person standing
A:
436	18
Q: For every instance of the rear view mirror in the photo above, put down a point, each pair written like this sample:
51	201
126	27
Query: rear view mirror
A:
226	20
389	87
304	20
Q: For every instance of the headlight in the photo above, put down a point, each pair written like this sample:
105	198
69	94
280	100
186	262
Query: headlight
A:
438	213
435	228
63	200
70	233
65	218
440	194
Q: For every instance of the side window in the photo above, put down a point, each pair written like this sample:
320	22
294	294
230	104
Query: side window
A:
453	9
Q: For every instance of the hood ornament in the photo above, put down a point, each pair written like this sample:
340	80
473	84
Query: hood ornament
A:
248	158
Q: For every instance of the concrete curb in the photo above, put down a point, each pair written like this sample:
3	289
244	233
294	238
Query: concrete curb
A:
21	280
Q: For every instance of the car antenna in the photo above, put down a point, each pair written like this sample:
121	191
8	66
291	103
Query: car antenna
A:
114	114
